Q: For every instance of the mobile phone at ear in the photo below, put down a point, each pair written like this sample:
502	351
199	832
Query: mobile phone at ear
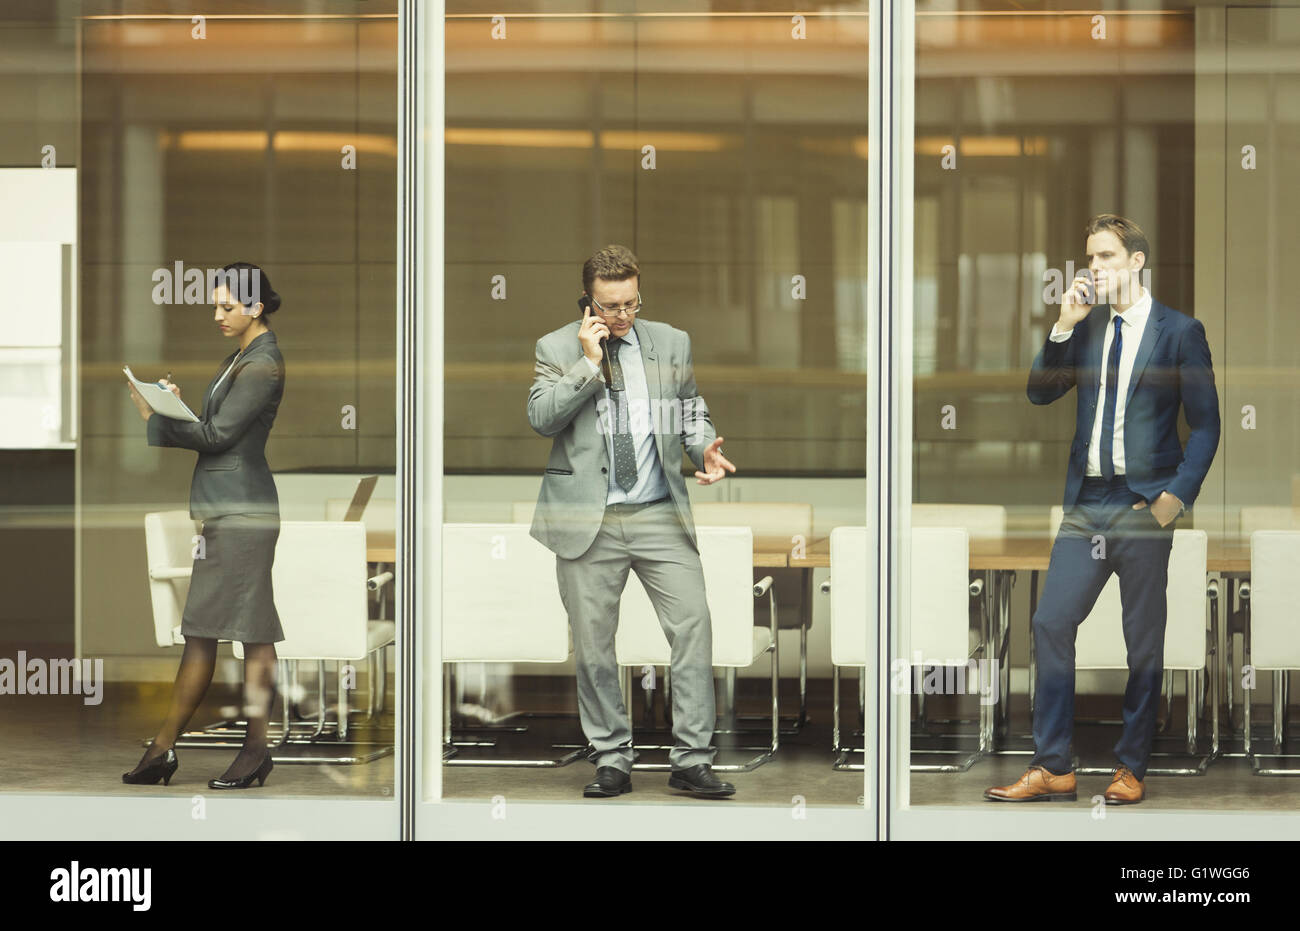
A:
583	303
1090	289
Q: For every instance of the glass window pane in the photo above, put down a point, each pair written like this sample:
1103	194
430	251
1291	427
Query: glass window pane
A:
1141	149
198	572
727	153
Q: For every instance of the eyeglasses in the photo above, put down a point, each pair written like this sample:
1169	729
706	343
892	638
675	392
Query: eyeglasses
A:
630	310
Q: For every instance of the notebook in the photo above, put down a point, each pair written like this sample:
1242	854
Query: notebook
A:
160	399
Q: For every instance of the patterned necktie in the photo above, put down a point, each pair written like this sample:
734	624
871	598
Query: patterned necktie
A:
624	448
1112	395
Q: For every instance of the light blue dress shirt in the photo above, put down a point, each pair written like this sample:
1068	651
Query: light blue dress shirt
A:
651	483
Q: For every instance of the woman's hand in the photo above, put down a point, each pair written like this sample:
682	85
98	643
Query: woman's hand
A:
173	388
140	403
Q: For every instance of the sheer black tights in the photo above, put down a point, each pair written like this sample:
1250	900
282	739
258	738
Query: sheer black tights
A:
198	662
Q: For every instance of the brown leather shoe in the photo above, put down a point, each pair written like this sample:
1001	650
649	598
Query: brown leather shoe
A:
1036	785
1125	788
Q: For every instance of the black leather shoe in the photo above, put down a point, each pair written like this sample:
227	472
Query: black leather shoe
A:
160	767
700	780
610	781
259	774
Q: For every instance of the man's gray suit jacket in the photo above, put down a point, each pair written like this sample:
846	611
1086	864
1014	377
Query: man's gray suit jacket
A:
567	402
232	475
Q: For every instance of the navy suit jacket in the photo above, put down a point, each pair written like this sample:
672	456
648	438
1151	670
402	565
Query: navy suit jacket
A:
232	475
1172	368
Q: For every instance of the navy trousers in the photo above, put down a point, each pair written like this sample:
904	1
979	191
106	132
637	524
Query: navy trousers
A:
1099	535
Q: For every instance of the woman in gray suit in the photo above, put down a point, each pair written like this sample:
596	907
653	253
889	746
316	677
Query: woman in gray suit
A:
233	493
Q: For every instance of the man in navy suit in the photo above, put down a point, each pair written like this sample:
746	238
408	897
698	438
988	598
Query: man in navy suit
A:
1135	362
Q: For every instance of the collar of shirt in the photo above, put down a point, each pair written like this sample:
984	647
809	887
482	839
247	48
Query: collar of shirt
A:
630	337
1137	314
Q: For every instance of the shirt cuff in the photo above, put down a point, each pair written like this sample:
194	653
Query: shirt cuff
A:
1057	337
595	369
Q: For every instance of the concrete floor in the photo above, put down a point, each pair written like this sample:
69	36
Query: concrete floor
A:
1227	785
57	744
801	767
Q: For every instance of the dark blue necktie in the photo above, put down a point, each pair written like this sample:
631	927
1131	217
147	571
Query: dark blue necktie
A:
1112	394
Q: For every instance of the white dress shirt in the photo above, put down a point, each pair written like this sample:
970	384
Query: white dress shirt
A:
1135	323
651	483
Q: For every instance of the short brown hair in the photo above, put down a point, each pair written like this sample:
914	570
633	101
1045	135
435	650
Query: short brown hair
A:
613	263
1129	233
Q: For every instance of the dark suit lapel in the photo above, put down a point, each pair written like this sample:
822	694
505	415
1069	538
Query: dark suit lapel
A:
650	361
209	396
214	398
1096	343
1150	336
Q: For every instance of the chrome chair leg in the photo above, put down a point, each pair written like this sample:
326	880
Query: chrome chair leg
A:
862	700
648	701
1246	694
343	703
1279	708
1169	701
803	675
284	706
370	686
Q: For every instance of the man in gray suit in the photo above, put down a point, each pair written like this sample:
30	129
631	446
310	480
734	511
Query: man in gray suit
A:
613	499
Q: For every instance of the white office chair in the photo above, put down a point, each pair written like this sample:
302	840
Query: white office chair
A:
981	522
1249	519
500	604
940	634
727	557
1271	640
1099	643
169	548
851	604
792	585
380	514
788	521
320	583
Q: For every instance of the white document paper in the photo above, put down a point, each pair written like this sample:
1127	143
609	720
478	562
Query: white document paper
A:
160	399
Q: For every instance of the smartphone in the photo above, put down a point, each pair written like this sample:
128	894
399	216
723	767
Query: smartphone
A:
583	303
1090	289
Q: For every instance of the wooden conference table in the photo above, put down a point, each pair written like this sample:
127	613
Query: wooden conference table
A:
769	552
1029	554
1001	558
381	546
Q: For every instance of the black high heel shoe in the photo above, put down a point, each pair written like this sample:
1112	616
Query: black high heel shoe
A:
160	767
244	782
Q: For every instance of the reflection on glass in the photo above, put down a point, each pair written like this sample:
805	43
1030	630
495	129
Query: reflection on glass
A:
614	593
143	158
1119	518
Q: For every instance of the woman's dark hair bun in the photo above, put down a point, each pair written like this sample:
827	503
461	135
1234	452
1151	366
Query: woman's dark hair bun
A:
249	281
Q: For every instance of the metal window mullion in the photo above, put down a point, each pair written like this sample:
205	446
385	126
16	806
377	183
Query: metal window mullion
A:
889	310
